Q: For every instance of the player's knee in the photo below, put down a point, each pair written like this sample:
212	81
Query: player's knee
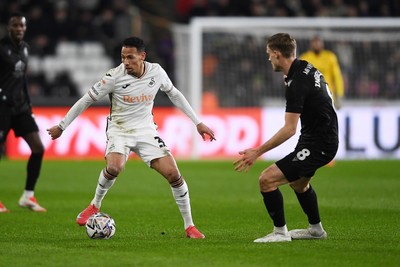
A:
172	175
266	183
115	170
36	146
39	149
299	187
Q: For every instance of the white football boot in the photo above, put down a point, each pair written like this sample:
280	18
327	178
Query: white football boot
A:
309	233
280	234
31	203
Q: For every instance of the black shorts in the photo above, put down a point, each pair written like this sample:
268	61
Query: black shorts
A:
305	160
22	124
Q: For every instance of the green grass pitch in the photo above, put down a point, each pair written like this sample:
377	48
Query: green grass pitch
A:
359	205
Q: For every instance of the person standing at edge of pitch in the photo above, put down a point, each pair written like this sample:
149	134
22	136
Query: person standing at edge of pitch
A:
15	106
132	87
328	64
309	100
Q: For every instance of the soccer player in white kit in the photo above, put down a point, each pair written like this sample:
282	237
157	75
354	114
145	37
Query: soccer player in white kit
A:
132	88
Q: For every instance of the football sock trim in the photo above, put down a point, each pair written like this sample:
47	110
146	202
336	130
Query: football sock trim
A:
108	175
103	185
177	183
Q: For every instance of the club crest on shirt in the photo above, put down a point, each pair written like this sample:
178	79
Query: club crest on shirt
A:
152	82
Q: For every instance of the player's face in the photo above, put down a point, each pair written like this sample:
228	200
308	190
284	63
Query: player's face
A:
17	28
133	60
273	57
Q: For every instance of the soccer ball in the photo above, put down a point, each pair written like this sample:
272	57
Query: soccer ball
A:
100	226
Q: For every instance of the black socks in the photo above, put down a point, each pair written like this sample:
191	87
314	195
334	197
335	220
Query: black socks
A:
274	203
309	203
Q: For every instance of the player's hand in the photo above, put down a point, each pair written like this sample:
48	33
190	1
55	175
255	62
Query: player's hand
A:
249	156
338	102
54	132
203	130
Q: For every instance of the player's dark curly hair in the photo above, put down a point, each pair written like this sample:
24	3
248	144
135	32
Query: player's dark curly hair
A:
134	42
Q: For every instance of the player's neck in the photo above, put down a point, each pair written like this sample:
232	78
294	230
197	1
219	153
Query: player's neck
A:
286	65
141	71
15	41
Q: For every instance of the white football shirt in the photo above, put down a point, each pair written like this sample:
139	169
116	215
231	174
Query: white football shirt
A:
132	98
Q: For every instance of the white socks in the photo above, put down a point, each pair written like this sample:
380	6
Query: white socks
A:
181	195
316	227
102	188
27	194
281	230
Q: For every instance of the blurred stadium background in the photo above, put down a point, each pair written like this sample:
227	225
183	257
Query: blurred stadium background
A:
225	73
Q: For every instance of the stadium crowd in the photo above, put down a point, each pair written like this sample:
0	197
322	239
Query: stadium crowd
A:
51	22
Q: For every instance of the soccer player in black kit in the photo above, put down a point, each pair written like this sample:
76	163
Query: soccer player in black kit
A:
309	100
15	106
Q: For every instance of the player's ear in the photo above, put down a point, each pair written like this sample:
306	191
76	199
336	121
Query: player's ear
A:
278	54
143	55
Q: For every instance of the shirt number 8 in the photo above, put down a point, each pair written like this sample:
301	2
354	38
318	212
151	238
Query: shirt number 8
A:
301	155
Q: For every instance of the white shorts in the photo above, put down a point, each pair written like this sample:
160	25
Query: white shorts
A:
148	147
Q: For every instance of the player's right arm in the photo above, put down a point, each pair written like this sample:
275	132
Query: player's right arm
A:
78	108
98	91
249	156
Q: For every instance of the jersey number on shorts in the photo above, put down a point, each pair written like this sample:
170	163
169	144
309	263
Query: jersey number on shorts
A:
303	154
160	141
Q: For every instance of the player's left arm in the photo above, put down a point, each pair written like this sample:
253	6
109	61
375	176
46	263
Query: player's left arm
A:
179	100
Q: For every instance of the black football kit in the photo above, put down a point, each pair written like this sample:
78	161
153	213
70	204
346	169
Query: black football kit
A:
307	93
15	106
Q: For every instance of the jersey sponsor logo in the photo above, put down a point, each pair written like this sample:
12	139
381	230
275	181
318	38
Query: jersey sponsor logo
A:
138	99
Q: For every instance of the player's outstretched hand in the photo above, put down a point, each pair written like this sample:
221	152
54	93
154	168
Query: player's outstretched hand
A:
54	132
249	156
203	130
